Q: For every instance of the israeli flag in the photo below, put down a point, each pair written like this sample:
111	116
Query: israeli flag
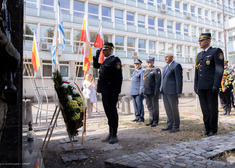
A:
53	48
60	27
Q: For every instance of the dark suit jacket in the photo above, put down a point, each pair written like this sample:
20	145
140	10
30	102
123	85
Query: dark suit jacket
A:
209	69
152	81
172	79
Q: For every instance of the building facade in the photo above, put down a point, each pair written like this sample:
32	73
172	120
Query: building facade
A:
138	28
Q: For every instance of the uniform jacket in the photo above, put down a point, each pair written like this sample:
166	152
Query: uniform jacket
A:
152	81
110	75
172	79
137	82
209	69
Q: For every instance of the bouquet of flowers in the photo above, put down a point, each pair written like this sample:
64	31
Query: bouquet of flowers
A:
227	80
71	101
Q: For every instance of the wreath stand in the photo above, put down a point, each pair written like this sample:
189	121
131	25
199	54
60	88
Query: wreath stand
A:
50	129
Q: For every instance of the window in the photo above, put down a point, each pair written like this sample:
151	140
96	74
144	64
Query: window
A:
67	36
46	33
76	37
170	48
188	75
93	11
206	14
47	68
118	16
151	23
28	68
159	3
151	2
160	25
29	31
152	48
179	50
142	1
107	37
106	14
78	8
199	11
193	10
213	16
65	6
168	2
130	44
31	3
193	31
130	18
64	68
47	4
141	46
185	8
220	36
161	48
194	52
177	6
141	21
119	42
79	70
92	37
187	51
199	31
131	69
219	18
186	30
169	26
177	28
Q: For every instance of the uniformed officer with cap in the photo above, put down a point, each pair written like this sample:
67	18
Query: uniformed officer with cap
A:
137	84
109	85
226	89
152	83
208	74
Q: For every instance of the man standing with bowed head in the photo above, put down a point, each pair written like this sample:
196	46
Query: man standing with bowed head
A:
137	86
152	83
208	75
109	85
171	88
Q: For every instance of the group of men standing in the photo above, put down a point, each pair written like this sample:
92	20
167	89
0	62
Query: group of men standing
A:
152	83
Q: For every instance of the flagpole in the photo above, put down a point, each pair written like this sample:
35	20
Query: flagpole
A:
56	42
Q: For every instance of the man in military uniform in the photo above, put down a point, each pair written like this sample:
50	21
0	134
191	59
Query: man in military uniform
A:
137	84
152	83
208	74
226	89
109	85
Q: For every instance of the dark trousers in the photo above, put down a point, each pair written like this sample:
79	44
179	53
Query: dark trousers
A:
171	102
110	107
209	105
225	99
153	107
138	107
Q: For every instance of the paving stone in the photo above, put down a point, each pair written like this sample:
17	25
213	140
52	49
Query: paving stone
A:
68	147
73	157
67	140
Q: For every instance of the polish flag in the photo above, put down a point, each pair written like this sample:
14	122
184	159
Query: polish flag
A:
99	41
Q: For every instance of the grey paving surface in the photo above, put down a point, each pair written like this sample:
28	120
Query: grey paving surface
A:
197	153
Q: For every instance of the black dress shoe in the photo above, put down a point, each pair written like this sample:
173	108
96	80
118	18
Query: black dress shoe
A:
140	120
135	120
106	139
173	130
211	134
166	129
149	124
113	140
205	133
154	125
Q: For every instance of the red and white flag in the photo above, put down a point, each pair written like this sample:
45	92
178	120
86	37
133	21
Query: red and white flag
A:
99	41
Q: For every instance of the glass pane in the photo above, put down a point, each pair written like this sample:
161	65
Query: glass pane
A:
93	11
30	29
47	4
64	70
65	4
80	72
170	48
107	37
119	40
47	70
119	16
151	45
130	42
160	25
47	31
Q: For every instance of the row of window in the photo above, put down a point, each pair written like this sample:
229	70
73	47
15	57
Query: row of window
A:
72	37
64	69
130	17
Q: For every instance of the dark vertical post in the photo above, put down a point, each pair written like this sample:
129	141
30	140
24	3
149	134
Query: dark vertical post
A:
11	144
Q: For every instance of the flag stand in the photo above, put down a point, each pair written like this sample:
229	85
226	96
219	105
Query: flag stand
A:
50	129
